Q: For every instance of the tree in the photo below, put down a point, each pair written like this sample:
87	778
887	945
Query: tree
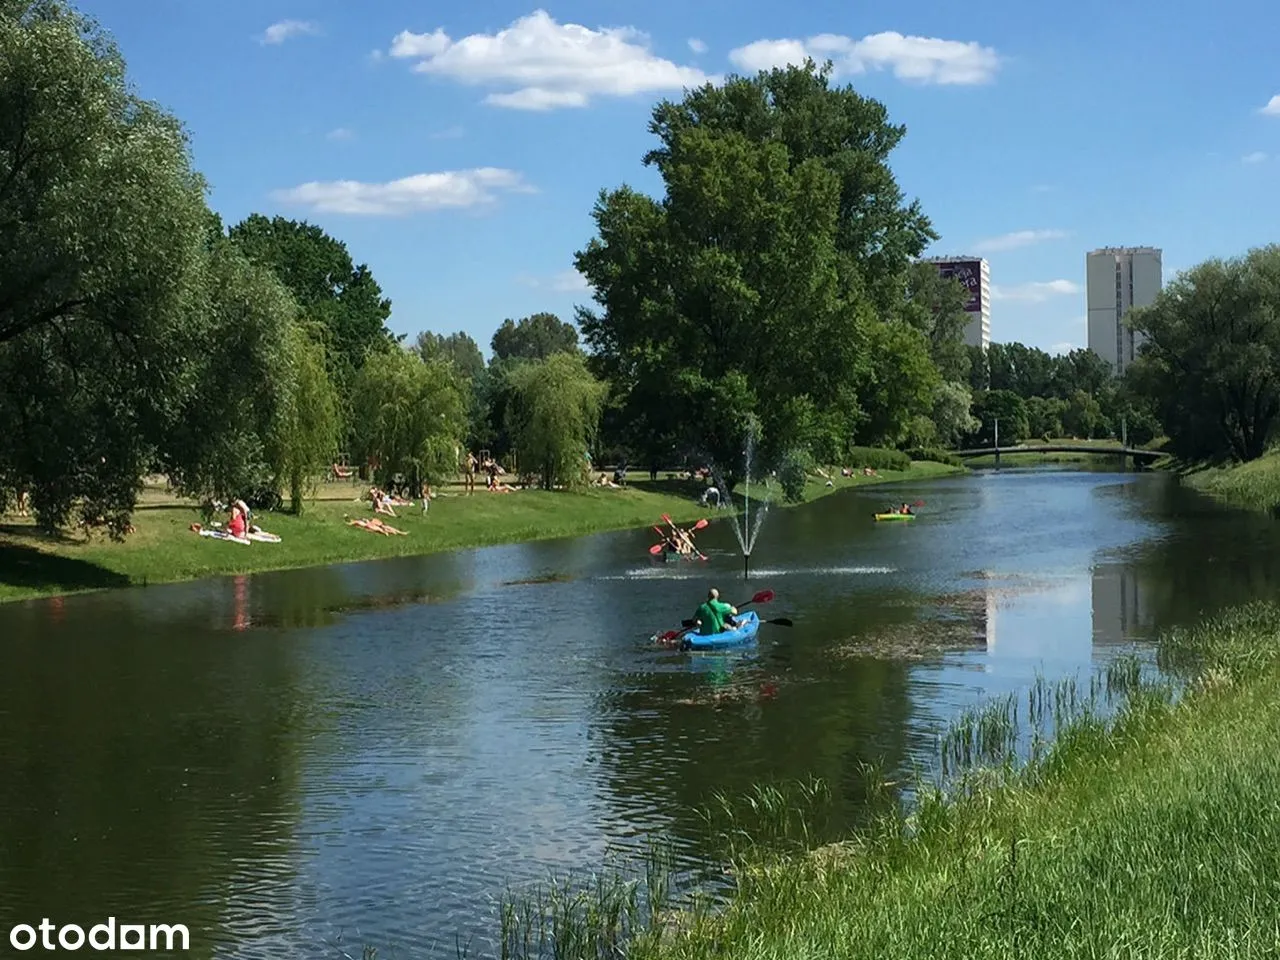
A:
310	426
534	338
935	306
1006	407
1080	370
761	274
1026	371
220	442
1083	416
412	416
458	348
553	416
952	414
342	298
1211	361
1045	416
906	383
102	222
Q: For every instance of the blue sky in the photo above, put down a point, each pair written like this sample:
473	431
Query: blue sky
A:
458	149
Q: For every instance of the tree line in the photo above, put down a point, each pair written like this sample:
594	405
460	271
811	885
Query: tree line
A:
772	296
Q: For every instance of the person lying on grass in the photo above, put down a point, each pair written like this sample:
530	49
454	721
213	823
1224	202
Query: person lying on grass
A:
376	525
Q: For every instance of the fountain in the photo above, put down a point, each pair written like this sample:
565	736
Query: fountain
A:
743	526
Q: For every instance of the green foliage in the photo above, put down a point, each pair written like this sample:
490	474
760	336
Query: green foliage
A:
878	458
534	338
952	413
1006	407
553	416
935	306
341	297
1210	365
936	455
101	225
793	474
309	428
410	416
458	348
240	382
1045	417
1083	416
758	277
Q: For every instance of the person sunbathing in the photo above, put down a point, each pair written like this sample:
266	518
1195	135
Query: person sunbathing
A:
376	525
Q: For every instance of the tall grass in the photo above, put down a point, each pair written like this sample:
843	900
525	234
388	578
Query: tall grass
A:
1147	829
1254	485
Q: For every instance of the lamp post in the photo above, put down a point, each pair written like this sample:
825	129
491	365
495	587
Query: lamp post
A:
997	439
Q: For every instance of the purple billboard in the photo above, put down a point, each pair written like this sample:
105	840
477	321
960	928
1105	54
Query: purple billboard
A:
968	272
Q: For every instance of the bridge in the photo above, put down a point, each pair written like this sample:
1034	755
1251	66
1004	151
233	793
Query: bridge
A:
1139	455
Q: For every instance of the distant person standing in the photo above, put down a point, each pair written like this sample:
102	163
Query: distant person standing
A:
471	465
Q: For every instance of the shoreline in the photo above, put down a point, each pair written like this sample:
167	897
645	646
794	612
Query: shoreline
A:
164	550
1148	825
1248	486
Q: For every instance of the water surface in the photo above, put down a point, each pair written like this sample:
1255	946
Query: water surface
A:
372	752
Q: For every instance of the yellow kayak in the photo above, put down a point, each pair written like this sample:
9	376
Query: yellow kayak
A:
895	516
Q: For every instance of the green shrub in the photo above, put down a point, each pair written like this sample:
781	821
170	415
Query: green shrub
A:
935	454
878	458
793	475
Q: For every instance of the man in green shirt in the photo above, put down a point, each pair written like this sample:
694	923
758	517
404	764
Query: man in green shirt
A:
714	615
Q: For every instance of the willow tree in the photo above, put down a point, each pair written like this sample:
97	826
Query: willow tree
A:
102	227
311	424
553	414
410	416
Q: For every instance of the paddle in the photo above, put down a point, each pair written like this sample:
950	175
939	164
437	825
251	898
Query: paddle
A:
764	596
673	538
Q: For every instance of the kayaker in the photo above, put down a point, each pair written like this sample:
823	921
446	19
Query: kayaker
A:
714	615
906	510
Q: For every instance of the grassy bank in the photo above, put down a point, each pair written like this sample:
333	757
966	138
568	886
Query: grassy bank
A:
163	548
1253	486
1152	835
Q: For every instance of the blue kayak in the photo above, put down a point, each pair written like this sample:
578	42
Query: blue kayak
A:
745	632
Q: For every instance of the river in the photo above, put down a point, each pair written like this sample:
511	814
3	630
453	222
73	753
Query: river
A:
370	753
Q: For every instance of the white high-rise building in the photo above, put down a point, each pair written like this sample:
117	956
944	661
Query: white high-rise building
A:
975	274
1118	279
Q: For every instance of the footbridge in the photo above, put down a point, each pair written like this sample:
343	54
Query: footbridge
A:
1102	450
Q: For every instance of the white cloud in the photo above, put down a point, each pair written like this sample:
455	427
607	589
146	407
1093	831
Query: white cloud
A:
1272	109
278	33
1256	157
545	64
921	59
1035	292
423	192
340	133
1015	240
566	281
697	46
569	281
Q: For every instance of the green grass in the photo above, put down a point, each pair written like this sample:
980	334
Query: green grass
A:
163	549
1254	485
1150	834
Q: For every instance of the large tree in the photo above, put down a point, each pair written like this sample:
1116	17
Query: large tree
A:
760	276
534	337
412	416
553	415
935	306
1210	363
332	290
102	229
458	348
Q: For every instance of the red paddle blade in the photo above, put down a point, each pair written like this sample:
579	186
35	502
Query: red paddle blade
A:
764	596
656	549
702	523
918	503
669	635
667	517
